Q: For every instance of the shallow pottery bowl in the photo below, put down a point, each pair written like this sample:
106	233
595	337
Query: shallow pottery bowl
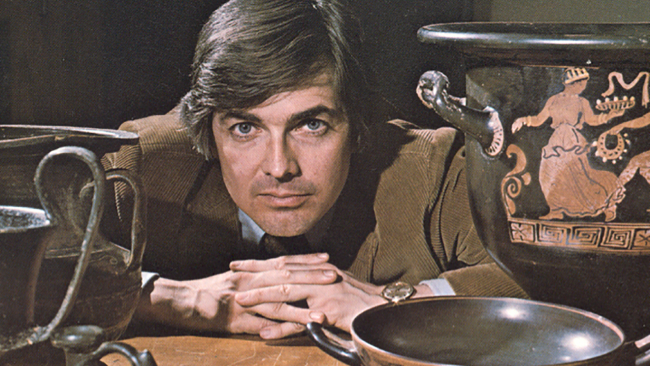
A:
475	331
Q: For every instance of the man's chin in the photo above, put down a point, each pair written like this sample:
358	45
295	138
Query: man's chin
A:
286	225
284	231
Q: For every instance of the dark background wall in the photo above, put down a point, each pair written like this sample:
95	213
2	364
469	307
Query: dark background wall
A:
100	62
590	11
4	69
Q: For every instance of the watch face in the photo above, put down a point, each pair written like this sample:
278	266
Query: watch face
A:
397	291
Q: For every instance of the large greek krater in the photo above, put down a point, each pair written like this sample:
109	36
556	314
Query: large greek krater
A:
558	152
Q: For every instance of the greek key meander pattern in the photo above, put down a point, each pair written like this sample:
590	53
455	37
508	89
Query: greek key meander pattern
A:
634	237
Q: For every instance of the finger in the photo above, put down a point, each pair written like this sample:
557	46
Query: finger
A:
278	263
250	324
276	294
281	330
285	313
275	278
246	268
309	267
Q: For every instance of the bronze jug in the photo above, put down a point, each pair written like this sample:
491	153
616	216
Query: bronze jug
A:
558	155
70	184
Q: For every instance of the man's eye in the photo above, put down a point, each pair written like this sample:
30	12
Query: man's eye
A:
244	128
314	125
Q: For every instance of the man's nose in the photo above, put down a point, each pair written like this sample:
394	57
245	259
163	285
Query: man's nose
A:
280	161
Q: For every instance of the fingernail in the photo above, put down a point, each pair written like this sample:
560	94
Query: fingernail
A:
329	273
235	264
266	333
317	316
322	255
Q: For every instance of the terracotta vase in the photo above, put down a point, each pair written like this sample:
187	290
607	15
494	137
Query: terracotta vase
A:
557	119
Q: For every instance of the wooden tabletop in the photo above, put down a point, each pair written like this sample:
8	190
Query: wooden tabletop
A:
192	350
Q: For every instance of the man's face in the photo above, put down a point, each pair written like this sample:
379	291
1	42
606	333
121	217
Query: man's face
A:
286	160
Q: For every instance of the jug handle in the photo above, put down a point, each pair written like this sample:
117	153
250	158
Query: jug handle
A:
90	159
484	126
337	347
83	346
138	228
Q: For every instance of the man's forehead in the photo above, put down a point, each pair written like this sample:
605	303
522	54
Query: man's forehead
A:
309	94
322	85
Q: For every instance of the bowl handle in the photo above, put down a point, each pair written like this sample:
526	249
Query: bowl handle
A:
84	346
484	126
333	345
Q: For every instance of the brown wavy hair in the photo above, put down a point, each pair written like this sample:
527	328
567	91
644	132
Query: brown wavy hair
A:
250	50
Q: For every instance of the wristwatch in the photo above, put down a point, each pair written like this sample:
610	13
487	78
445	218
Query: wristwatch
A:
397	291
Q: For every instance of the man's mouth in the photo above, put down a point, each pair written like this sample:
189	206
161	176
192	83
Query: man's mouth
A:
284	199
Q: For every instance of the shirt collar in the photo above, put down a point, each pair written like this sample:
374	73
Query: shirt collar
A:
250	231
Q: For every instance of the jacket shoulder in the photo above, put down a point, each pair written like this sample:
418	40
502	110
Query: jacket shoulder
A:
164	158
397	144
162	133
409	174
415	138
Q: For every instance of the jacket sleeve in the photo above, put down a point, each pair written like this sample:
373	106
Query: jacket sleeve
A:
470	271
483	280
451	219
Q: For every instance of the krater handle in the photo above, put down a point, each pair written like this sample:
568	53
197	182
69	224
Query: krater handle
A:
92	228
138	229
484	126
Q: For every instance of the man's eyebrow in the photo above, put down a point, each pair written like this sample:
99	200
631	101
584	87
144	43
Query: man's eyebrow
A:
313	112
306	114
241	115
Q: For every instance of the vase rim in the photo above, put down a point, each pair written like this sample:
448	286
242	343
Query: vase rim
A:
26	136
548	43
